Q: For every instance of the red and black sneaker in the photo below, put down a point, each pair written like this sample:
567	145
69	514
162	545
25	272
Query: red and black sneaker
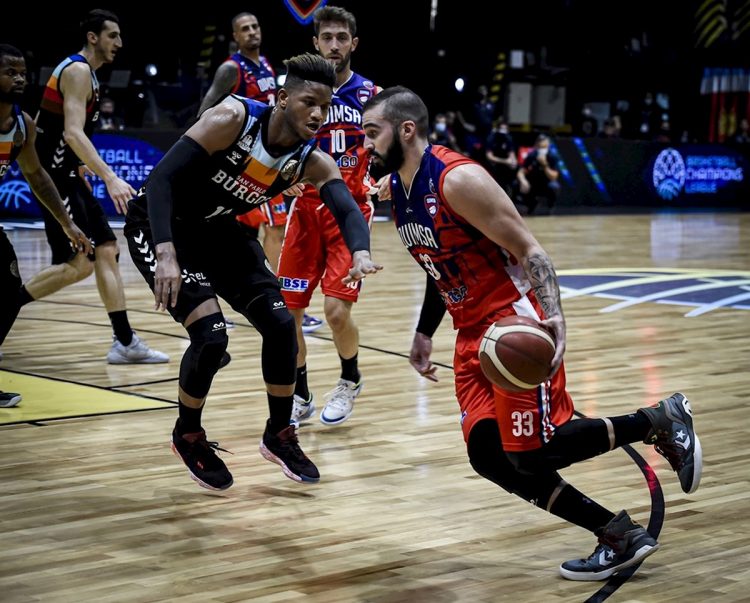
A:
283	449
204	466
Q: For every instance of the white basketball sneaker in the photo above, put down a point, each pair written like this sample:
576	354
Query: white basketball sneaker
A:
302	409
137	352
340	402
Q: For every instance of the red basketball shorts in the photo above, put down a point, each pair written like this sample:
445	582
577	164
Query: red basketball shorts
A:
314	252
527	420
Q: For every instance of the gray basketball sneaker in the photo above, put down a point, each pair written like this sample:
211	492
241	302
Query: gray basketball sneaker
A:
137	352
621	544
673	436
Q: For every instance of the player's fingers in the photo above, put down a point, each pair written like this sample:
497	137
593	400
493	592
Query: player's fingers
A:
174	289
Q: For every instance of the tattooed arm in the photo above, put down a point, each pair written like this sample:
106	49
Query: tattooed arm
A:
474	195
538	267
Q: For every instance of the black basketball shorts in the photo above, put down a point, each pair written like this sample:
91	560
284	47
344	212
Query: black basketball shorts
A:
216	258
85	211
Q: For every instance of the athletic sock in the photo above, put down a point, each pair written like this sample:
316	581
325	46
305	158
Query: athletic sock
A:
121	327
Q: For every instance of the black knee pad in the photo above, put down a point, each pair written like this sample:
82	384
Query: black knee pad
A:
270	316
202	359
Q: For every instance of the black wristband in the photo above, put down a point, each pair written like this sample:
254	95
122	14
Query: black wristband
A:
433	309
352	223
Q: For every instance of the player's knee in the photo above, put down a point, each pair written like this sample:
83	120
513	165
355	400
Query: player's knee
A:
529	462
338	316
78	269
108	251
202	359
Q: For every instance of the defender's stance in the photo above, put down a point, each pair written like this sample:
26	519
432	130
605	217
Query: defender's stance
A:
184	239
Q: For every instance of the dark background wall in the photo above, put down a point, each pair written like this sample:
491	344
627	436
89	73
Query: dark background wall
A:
597	50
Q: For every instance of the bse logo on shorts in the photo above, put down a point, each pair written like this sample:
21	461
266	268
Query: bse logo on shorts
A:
293	284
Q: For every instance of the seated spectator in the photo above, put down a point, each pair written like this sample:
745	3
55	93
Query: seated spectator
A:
108	120
501	155
537	177
442	134
741	138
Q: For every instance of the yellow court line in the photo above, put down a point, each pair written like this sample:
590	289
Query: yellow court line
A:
45	399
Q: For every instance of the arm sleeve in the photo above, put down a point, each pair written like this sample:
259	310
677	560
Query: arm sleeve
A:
433	309
352	223
185	156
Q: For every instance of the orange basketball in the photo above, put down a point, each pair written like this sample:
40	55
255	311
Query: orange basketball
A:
516	353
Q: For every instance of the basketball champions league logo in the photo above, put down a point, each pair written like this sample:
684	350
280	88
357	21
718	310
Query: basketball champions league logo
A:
693	171
669	174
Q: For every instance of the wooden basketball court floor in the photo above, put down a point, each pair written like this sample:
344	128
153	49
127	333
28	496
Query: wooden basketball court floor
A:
94	506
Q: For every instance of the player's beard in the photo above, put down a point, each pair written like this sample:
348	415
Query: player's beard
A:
394	155
343	64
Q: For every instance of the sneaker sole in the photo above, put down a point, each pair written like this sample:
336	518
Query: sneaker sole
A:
640	555
270	456
194	477
337	421
12	403
311	329
685	416
143	361
697	466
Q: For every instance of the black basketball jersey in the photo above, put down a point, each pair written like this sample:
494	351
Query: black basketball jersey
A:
242	176
54	153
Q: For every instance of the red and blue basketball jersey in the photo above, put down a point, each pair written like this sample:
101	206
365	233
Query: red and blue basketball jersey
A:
342	136
475	276
254	80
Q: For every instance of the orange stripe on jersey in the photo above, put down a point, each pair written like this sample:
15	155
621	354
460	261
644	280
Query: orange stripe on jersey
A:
5	147
257	173
52	100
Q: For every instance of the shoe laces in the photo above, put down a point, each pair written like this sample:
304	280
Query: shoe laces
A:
287	438
341	395
206	447
672	452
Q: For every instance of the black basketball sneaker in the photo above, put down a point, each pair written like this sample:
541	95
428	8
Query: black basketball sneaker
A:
673	435
622	543
199	456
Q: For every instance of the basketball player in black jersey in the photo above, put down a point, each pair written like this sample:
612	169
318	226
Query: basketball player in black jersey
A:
17	135
65	122
185	240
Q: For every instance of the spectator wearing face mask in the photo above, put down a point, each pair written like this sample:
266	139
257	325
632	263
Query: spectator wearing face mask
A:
442	134
538	176
501	155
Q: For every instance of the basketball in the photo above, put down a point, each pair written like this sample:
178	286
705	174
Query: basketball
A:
516	353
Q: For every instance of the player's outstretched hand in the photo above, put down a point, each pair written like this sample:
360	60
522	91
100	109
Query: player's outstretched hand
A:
419	356
362	265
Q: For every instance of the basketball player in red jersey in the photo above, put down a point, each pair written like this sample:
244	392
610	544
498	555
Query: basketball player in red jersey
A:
464	231
314	251
65	123
17	136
